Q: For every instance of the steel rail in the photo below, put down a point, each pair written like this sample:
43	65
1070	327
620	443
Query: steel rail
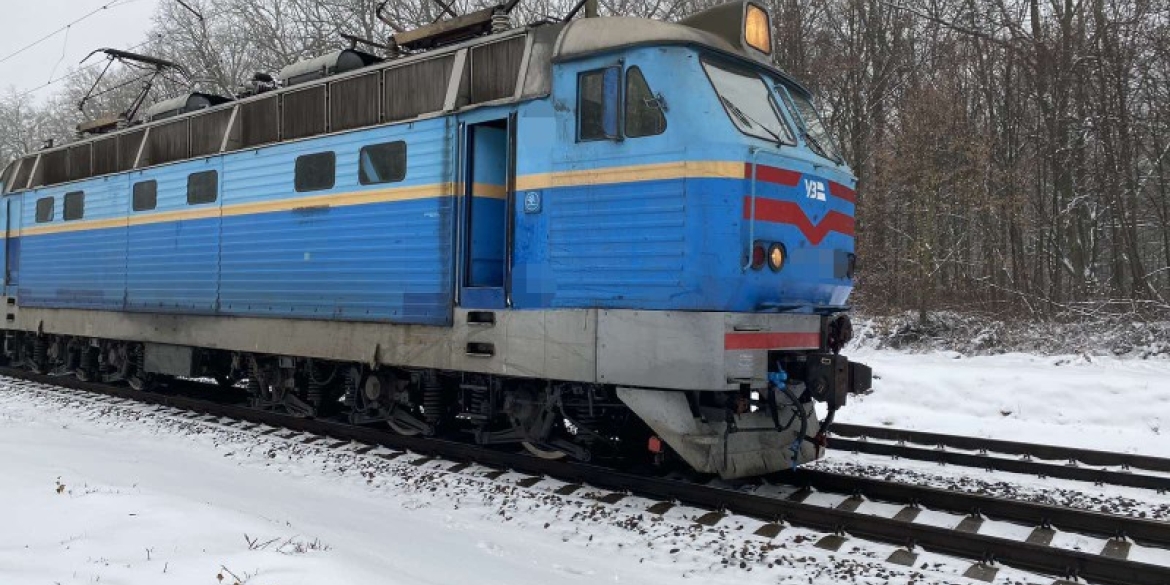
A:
984	461
1146	532
1023	555
978	444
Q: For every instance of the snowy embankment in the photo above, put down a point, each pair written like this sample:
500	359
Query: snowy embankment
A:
97	492
1090	402
101	493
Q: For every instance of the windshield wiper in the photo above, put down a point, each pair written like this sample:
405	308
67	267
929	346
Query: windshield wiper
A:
814	143
798	115
748	120
738	113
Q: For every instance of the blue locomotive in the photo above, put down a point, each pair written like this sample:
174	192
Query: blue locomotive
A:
608	237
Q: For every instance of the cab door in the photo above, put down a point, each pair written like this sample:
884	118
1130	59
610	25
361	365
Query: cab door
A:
486	197
11	261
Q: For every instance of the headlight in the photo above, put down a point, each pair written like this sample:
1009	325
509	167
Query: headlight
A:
777	255
757	31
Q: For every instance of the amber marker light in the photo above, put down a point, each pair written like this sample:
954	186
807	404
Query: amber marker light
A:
756	29
776	257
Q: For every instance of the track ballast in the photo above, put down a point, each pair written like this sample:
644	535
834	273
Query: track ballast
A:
835	522
1008	456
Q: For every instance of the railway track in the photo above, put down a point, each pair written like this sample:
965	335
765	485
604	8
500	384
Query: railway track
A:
1098	467
838	522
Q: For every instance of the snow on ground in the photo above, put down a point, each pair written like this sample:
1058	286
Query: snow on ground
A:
128	494
96	492
1089	402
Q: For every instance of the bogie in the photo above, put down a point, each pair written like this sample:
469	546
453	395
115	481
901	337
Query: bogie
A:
549	419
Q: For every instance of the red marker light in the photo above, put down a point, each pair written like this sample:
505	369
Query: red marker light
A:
759	255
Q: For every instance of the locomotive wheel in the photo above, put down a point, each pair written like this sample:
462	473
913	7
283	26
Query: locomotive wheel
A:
380	388
401	430
140	383
86	369
538	451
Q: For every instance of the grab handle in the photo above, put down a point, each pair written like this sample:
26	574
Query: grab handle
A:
752	221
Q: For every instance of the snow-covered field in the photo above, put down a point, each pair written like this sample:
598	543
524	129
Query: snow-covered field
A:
1089	402
95	492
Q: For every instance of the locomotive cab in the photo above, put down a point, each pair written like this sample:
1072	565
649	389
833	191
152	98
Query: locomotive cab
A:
731	175
702	202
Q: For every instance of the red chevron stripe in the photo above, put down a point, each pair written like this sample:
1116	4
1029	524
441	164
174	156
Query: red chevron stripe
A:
787	212
772	175
789	178
843	192
769	340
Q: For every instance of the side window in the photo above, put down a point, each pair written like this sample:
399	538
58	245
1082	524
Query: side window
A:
44	209
382	163
74	205
202	187
145	196
644	115
315	172
597	104
7	176
812	127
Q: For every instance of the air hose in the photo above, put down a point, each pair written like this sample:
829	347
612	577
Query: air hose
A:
778	381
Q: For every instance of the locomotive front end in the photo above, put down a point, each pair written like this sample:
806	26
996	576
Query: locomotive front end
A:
790	257
743	187
762	376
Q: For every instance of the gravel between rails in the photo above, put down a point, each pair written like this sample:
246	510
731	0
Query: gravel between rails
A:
871	528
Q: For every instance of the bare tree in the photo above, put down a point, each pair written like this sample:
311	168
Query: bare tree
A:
1013	156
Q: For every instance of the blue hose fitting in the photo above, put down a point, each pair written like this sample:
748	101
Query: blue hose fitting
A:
778	379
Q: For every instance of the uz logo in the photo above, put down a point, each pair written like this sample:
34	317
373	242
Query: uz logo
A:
815	190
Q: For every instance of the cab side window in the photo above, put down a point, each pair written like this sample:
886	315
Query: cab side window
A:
644	115
597	104
600	100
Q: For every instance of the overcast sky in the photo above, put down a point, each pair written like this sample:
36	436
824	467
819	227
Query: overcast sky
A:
123	25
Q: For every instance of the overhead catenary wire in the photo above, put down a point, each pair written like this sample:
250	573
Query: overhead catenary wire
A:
64	49
75	72
65	28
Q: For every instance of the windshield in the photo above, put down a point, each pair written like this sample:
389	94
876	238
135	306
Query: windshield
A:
811	126
748	102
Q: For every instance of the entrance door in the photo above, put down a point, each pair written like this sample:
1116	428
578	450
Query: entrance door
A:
486	193
11	241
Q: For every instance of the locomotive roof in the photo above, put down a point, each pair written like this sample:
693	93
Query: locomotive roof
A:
576	39
592	35
588	36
